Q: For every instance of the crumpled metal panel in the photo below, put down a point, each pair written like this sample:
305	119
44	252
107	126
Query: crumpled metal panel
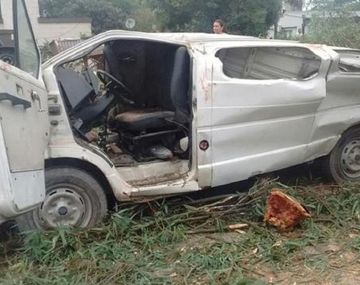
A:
262	125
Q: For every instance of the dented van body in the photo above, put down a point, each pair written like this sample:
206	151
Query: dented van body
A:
147	115
261	105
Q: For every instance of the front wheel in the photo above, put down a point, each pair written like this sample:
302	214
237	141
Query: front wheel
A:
73	198
343	163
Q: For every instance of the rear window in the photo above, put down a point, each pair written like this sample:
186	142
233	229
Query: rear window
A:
262	63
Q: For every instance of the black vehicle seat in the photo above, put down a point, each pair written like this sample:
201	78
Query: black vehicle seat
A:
77	92
144	119
111	62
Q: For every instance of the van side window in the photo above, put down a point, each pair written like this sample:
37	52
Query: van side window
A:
262	63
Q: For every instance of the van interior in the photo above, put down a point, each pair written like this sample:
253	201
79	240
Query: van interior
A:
266	63
132	98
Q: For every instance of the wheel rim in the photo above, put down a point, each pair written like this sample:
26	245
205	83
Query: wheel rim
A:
64	205
350	159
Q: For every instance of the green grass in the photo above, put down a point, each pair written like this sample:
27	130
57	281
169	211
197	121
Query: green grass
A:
179	241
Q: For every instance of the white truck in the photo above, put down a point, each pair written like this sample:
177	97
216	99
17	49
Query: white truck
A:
138	116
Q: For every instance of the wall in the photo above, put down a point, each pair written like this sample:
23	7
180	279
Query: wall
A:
46	32
46	29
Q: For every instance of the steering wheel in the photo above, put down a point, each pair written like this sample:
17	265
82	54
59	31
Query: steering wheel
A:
101	74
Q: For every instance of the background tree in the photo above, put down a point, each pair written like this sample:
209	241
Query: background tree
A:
334	22
250	17
140	10
332	5
296	4
105	14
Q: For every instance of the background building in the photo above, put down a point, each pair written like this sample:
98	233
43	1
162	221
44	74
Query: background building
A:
290	24
45	29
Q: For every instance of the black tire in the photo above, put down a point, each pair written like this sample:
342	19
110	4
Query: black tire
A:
343	163
73	198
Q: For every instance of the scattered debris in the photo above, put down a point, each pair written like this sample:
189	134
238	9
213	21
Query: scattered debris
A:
92	136
237	226
283	211
114	148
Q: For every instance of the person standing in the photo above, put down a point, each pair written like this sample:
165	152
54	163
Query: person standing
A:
219	27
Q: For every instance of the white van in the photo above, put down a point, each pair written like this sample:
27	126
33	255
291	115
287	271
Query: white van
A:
138	116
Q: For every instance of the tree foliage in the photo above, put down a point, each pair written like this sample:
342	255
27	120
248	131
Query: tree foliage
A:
334	22
140	10
333	5
296	4
250	17
105	14
341	31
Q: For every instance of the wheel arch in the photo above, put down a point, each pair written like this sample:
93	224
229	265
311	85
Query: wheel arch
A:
350	128
344	132
342	163
89	168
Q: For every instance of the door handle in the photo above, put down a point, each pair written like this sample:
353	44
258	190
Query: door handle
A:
36	97
15	100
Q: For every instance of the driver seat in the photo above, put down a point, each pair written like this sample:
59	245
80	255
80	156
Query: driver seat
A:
155	119
144	119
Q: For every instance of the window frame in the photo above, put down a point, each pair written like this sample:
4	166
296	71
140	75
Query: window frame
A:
270	46
1	18
339	52
17	39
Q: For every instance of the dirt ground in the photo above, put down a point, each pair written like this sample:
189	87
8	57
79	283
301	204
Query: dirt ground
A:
189	241
329	263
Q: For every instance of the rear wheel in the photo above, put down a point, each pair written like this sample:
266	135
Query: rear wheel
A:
73	198
343	163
